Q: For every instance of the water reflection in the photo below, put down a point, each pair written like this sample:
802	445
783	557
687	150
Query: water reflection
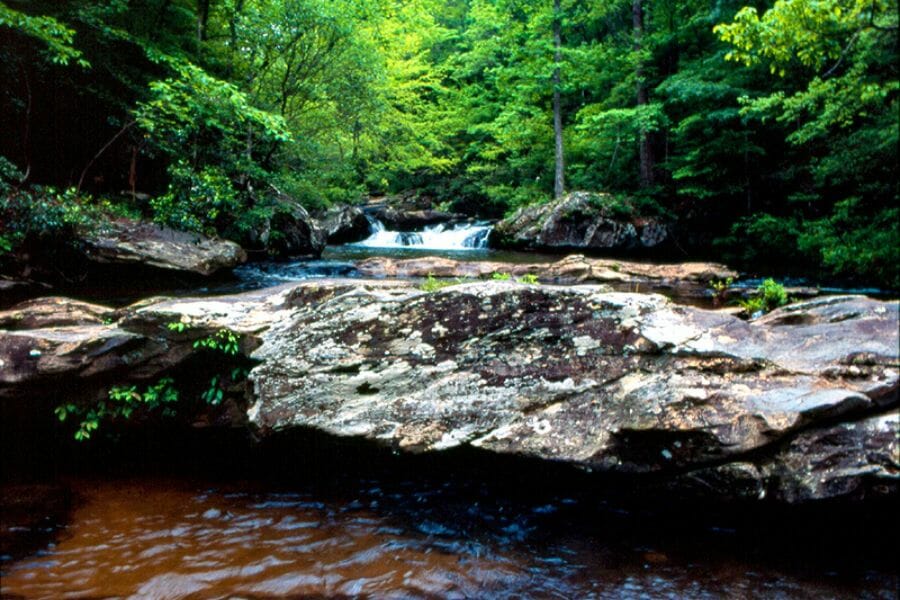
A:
180	537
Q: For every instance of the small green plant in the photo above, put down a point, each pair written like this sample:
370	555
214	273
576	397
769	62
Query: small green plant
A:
122	402
719	289
215	391
529	279
178	326
769	296
501	276
224	340
432	284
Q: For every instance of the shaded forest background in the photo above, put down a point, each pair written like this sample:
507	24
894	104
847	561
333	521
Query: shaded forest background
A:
767	130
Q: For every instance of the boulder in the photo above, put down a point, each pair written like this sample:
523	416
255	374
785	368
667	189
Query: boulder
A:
126	242
54	312
398	219
680	280
582	221
615	382
796	406
857	460
345	224
288	231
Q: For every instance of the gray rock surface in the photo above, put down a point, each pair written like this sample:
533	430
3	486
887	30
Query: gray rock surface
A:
125	242
345	224
796	406
625	383
683	280
580	220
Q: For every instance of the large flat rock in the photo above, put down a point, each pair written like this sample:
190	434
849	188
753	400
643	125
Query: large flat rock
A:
796	406
683	280
628	383
129	242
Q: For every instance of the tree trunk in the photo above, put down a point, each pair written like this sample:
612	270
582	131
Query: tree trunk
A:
232	34
559	181
646	146
202	20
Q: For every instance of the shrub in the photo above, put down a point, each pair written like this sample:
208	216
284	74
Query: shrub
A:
719	289
201	201
769	296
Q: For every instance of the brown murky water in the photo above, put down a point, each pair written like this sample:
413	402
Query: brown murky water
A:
152	537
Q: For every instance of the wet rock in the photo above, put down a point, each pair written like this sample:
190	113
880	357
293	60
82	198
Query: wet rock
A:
625	383
848	460
682	280
398	219
345	224
124	242
408	211
44	359
580	220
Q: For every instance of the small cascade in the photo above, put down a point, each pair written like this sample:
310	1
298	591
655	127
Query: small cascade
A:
461	236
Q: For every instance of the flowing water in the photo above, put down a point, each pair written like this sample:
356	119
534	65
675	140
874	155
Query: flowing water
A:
460	236
465	526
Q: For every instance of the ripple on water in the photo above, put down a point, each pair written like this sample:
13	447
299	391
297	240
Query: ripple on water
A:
172	539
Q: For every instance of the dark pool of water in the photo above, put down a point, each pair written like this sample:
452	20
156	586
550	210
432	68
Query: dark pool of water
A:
320	518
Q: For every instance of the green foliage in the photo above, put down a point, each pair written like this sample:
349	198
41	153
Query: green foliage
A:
56	36
163	397
224	341
38	213
850	242
529	279
773	124
769	296
121	404
196	200
178	326
432	284
719	289
501	276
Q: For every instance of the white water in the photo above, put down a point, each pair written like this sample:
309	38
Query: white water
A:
463	236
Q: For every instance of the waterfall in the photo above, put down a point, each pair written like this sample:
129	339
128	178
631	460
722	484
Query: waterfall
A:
462	236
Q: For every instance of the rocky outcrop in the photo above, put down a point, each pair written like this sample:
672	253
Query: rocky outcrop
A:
623	383
796	406
125	242
54	312
345	224
680	280
54	346
408	211
580	221
399	219
289	231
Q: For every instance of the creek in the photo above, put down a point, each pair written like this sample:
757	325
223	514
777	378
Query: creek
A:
206	514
